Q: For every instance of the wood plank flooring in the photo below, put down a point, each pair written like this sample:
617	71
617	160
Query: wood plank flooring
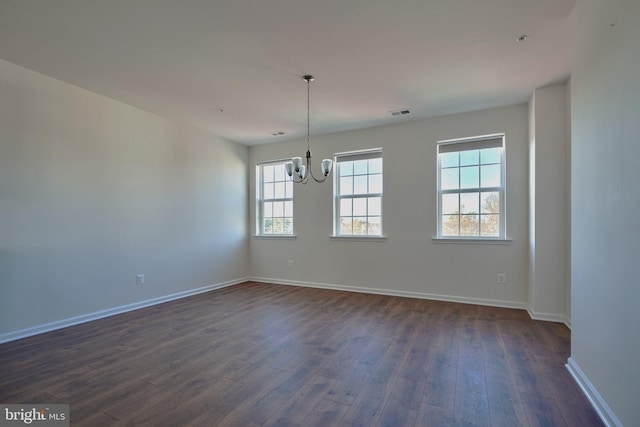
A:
269	355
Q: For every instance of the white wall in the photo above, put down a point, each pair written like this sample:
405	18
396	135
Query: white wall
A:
567	212
605	234
548	203
532	198
93	192
408	261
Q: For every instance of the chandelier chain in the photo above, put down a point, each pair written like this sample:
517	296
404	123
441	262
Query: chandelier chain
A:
308	116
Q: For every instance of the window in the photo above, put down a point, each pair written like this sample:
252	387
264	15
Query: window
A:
471	182
274	199
358	193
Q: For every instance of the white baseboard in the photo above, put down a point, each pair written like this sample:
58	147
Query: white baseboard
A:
549	317
39	329
603	410
397	293
59	324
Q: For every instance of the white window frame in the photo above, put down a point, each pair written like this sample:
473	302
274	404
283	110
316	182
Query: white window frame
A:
340	158
260	199
472	143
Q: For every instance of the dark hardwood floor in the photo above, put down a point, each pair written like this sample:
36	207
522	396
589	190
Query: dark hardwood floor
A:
260	354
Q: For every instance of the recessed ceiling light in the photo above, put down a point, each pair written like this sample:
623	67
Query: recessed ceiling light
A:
522	38
277	133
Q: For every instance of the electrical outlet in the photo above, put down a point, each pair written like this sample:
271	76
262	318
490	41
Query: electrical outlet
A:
502	279
290	263
140	279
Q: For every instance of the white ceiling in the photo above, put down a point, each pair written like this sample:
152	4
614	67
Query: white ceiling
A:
190	59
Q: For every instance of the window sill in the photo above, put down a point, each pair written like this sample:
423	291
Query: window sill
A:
471	241
275	236
360	238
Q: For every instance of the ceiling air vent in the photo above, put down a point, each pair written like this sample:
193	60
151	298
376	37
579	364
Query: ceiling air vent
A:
278	133
403	112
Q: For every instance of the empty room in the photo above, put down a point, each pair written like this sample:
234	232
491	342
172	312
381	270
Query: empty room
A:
337	213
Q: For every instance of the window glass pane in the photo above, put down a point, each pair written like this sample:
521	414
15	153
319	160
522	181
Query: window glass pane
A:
346	225
346	168
490	225
278	209
345	207
360	225
279	190
277	217
288	208
360	184
469	177
268	191
490	155
449	179
470	157
450	204
375	165
279	172
268	209
490	176
490	202
450	225
267	173
360	167
469	225
448	160
375	184
357	213
469	203
374	206
375	225
360	206
471	186
346	186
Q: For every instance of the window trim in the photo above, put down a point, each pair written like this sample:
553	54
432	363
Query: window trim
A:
370	153
260	202
476	141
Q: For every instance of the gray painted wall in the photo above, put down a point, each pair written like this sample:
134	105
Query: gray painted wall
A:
93	192
408	262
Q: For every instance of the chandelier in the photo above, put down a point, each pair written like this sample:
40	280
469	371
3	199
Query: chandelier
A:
299	172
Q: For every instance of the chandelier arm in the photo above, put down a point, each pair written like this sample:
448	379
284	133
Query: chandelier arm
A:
310	170
294	180
316	179
300	180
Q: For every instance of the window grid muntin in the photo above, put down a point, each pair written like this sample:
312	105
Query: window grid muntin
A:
272	222
347	169
500	190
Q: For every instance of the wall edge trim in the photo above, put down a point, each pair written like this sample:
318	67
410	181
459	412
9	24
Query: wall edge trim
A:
396	293
599	405
84	318
549	317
